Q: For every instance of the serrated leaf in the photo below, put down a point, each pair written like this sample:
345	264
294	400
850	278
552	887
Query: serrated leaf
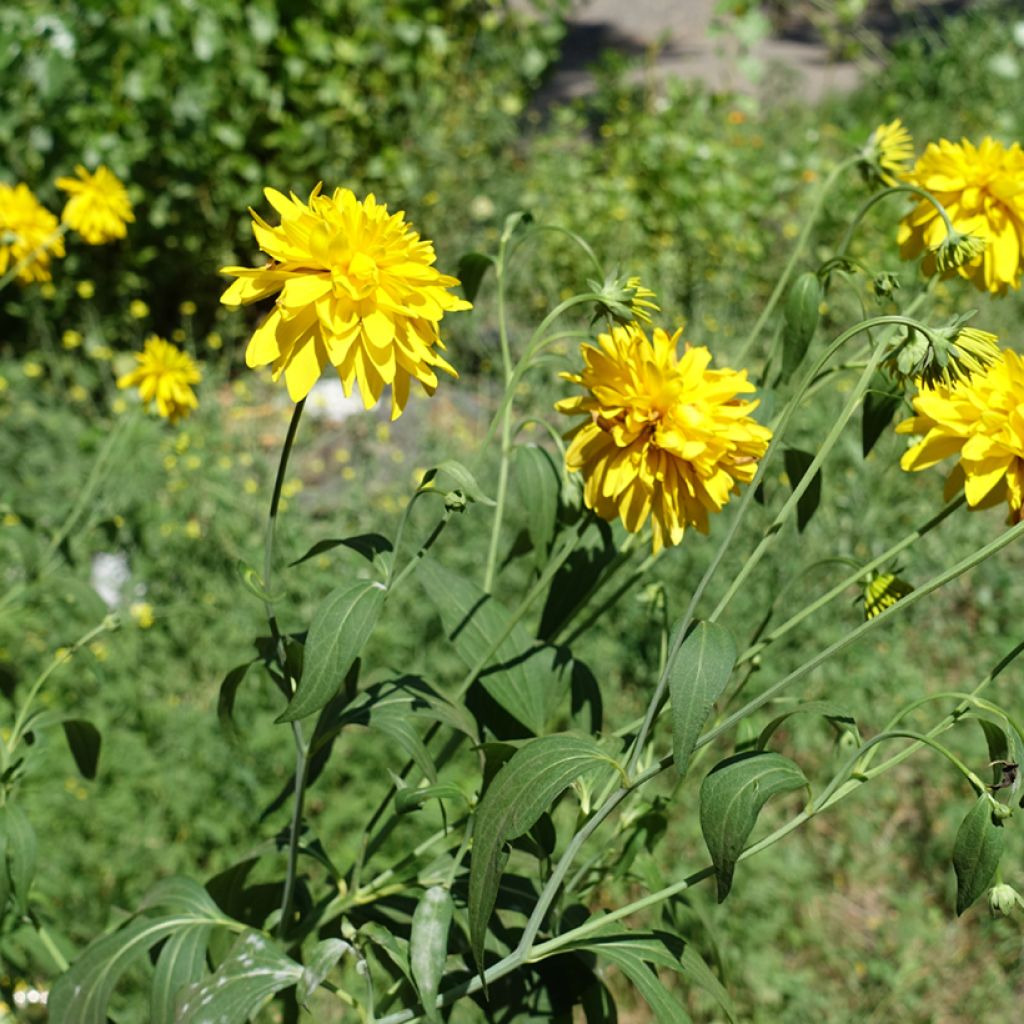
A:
461	477
84	742
323	957
340	629
976	853
472	268
524	788
797	463
253	971
731	798
826	708
698	674
881	402
181	962
517	674
369	545
539	485
428	945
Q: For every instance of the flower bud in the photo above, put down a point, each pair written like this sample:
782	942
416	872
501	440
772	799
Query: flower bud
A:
1002	899
625	301
957	250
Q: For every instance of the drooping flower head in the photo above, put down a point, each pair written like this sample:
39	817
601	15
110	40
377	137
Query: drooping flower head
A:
29	233
944	355
164	377
982	190
357	290
98	208
981	421
666	439
888	152
624	300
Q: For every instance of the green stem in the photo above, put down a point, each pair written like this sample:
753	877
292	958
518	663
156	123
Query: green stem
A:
794	256
877	198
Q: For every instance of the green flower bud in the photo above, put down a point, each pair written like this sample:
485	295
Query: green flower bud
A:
1002	899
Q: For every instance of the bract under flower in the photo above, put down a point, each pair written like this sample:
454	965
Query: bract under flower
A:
356	289
982	190
982	423
667	438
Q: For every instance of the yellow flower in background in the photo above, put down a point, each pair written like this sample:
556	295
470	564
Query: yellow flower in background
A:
71	339
86	289
882	591
666	437
357	290
188	308
29	233
889	151
980	421
98	208
165	375
138	310
142	613
982	190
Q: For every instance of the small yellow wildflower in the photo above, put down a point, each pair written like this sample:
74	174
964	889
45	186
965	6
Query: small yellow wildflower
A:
77	393
99	208
32	369
71	339
215	341
103	353
251	485
178	335
48	291
165	375
356	288
666	438
29	235
142	613
138	310
86	289
3	384
888	152
187	308
193	530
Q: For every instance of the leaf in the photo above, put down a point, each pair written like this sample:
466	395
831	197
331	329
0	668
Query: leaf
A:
181	962
881	402
515	673
413	798
84	741
464	481
472	267
428	945
21	854
227	693
976	853
633	962
322	958
181	895
697	676
539	486
731	798
252	972
826	708
340	629
369	545
797	463
525	786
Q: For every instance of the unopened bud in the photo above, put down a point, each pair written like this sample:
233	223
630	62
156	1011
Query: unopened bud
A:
1002	899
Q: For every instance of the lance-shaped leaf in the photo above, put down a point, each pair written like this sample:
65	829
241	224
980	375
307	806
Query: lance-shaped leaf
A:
428	945
731	798
472	267
369	545
797	463
524	788
21	853
340	629
323	957
976	853
181	962
539	485
826	708
456	473
697	677
881	402
253	971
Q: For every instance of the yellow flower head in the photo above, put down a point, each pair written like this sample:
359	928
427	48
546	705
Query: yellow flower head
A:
99	208
889	151
29	233
982	190
164	375
882	591
357	290
667	438
979	421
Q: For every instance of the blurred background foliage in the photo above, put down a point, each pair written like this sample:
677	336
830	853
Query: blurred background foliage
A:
198	106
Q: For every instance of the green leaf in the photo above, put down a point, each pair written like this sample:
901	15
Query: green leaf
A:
227	694
731	798
461	477
322	958
181	962
472	267
826	708
797	463
428	945
21	853
881	402
84	741
180	895
412	798
634	960
340	629
369	545
539	486
518	674
697	676
976	853
524	788
253	971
